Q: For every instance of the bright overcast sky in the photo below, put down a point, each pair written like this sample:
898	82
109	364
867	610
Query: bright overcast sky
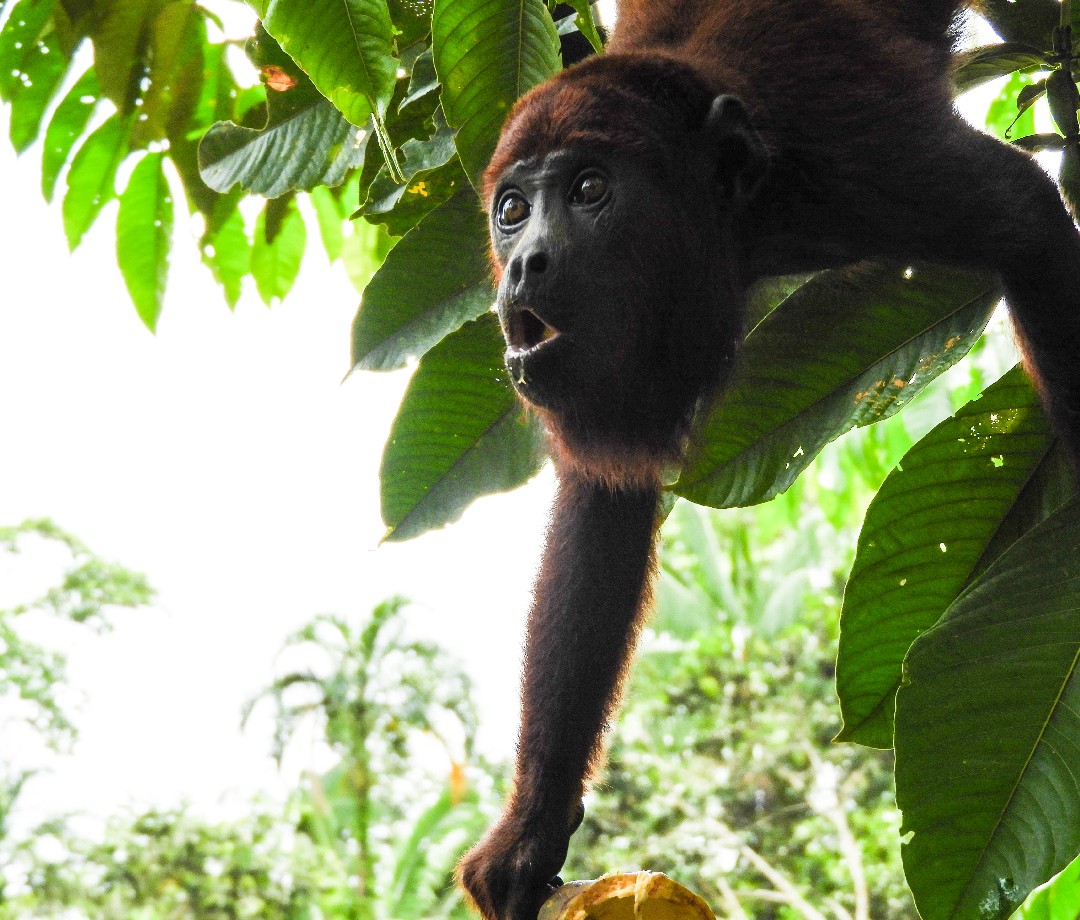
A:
225	459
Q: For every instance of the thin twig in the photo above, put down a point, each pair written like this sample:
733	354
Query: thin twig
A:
781	884
732	906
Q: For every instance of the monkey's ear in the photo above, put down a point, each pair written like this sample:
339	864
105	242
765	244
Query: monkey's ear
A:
740	157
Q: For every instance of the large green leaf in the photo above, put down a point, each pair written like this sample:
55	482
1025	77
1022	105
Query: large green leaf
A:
91	181
460	433
67	124
144	236
925	533
305	142
487	54
19	40
847	348
431	282
988	733
981	65
347	48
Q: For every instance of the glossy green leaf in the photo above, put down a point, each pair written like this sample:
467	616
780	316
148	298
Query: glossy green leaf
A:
91	181
460	433
276	256
981	65
144	237
40	77
431	282
345	46
988	733
924	536
487	54
312	145
847	348
18	42
67	124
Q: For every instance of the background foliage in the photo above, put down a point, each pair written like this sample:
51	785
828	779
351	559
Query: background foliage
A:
387	110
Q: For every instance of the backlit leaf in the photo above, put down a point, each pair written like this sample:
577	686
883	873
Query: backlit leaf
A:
460	433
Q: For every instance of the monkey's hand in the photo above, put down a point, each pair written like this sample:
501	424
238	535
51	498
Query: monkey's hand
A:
511	872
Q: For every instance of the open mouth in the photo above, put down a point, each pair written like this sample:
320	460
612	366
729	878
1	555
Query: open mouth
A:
526	331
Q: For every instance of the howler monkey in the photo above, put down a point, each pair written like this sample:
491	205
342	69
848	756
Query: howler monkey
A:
633	198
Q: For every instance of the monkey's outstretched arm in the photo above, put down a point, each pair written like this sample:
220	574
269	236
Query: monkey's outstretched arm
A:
587	606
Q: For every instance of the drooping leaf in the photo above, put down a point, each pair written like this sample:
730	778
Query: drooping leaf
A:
988	733
431	282
42	71
68	123
981	65
924	536
19	42
91	181
460	433
226	251
846	349
278	249
305	142
329	215
144	237
347	49
488	53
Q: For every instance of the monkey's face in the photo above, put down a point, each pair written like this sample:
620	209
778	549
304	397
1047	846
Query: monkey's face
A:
615	295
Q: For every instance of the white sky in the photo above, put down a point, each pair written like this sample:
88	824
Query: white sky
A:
225	459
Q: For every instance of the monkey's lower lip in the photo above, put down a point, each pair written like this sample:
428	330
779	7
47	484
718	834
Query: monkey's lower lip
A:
525	332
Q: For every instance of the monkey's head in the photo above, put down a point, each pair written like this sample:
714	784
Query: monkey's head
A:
611	196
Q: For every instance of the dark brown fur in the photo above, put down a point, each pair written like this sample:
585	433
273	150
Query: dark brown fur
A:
850	104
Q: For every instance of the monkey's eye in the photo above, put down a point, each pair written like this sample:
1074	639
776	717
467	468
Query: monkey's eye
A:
513	209
589	188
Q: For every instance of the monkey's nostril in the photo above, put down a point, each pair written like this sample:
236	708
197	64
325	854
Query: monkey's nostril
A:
536	263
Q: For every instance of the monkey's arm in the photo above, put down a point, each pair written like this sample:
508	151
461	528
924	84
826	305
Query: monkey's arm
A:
582	627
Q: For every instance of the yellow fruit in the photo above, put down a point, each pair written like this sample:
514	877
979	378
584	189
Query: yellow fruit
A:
627	896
